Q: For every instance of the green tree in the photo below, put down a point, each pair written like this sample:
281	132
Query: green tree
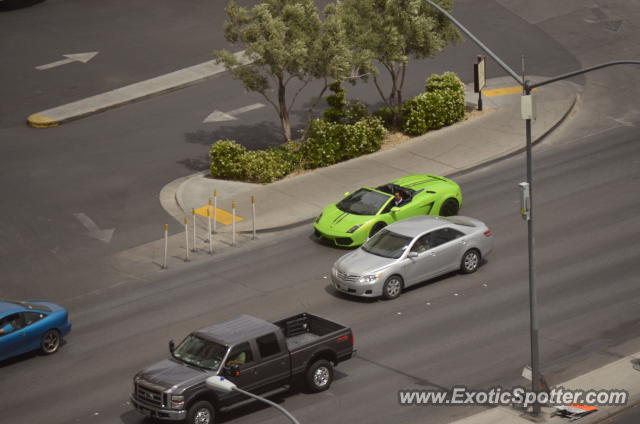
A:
285	41
392	31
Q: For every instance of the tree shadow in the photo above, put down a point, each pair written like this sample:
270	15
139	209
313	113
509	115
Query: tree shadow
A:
254	137
198	164
17	4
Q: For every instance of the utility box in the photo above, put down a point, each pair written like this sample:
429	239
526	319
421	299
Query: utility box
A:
528	107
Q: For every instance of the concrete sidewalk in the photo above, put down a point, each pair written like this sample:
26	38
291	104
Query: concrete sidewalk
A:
492	135
618	375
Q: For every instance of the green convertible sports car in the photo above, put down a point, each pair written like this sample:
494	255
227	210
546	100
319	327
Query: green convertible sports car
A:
364	212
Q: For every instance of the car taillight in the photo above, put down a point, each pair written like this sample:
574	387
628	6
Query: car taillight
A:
487	233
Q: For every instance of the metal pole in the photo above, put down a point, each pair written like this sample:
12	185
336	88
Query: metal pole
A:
253	216
209	219
215	208
233	223
268	402
193	213
166	244
186	239
533	295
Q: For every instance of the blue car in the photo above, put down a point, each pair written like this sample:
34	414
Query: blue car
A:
31	325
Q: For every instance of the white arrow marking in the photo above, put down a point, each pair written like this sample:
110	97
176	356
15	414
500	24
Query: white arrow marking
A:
77	57
217	116
94	230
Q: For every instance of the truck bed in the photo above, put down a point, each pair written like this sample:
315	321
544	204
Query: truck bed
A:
305	328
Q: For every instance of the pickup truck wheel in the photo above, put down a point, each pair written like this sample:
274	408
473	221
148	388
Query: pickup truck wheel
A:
201	412
319	376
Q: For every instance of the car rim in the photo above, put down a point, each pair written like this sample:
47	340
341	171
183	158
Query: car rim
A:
393	287
449	208
321	376
203	416
471	261
51	342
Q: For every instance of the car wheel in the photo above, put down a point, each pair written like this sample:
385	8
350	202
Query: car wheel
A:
377	227
201	412
50	342
450	207
470	261
392	287
319	376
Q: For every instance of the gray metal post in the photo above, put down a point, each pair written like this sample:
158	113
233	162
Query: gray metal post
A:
253	216
166	245
233	223
215	208
195	240
209	232
186	239
533	295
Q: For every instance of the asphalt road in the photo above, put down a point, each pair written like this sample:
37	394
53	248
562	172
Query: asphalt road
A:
111	166
470	330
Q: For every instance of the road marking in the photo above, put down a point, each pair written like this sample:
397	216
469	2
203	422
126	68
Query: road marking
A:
222	216
504	91
218	116
76	57
130	93
94	230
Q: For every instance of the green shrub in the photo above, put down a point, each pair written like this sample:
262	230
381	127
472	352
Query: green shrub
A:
329	142
386	116
442	104
342	111
226	160
265	166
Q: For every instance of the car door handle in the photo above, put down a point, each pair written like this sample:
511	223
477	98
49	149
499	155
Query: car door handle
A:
432	253
462	242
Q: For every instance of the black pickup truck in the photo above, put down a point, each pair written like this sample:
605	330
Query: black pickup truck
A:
258	356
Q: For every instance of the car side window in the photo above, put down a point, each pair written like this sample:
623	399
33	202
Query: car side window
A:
444	235
10	323
31	317
268	345
422	244
240	355
387	208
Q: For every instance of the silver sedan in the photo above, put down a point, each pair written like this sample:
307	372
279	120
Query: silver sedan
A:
411	251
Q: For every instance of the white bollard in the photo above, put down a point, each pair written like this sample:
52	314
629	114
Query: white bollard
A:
253	216
166	245
233	223
215	208
210	236
195	240
186	239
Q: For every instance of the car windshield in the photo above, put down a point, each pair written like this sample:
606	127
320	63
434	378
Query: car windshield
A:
387	244
363	202
200	352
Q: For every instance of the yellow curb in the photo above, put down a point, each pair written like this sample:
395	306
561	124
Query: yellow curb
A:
222	216
504	91
41	121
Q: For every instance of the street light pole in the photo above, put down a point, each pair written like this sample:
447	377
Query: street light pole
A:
221	384
527	88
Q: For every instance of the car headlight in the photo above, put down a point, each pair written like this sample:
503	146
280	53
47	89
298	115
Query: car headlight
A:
318	218
365	279
177	402
354	228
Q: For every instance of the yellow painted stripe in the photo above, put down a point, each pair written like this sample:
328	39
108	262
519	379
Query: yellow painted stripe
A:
503	91
222	217
41	121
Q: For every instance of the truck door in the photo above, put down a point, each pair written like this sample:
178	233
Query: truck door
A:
243	359
274	368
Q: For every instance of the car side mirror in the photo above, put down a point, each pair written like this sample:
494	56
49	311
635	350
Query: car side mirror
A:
346	194
412	255
172	346
395	209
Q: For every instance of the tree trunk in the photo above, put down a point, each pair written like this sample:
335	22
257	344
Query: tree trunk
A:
283	112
